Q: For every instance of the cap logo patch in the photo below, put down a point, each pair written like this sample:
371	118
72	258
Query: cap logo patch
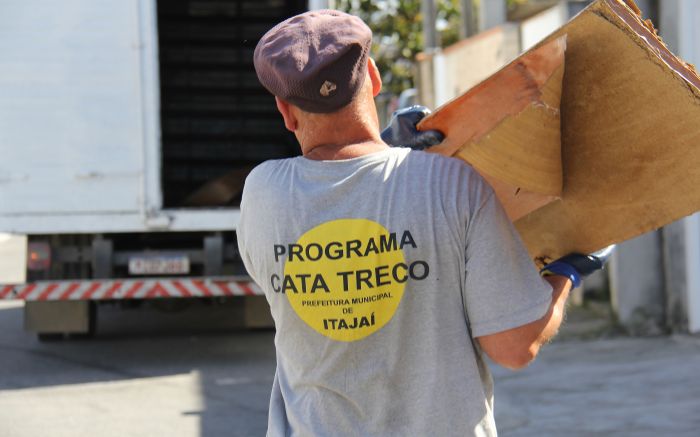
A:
327	88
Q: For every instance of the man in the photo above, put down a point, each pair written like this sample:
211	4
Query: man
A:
389	272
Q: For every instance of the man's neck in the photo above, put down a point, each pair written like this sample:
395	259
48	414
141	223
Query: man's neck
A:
350	133
329	152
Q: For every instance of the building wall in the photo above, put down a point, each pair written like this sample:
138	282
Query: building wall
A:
679	22
448	73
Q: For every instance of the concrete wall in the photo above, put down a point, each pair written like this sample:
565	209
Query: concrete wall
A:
637	285
445	74
459	67
679	22
535	29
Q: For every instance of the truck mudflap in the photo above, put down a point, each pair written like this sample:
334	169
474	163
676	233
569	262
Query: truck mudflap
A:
151	288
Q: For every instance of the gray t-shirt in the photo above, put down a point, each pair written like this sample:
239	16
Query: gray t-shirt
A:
380	271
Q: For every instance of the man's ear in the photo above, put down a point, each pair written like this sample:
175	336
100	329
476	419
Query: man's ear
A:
375	77
290	121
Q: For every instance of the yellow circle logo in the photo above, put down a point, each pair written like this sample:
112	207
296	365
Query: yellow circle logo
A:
345	278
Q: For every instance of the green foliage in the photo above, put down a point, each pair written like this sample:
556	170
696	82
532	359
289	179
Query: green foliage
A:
398	34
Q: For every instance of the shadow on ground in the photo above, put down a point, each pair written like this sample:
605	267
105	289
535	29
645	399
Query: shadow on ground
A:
234	367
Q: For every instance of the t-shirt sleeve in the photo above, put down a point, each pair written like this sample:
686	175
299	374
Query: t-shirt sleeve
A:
503	288
245	231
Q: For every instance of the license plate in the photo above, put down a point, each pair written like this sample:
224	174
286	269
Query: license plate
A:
159	265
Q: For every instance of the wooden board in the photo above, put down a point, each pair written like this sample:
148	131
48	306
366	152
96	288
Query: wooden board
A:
630	136
508	129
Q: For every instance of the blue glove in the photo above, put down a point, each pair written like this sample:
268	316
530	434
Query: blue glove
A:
576	266
402	129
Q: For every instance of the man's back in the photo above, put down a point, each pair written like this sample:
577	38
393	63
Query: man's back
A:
379	270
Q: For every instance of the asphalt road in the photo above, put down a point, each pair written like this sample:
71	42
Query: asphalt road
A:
184	373
641	387
190	372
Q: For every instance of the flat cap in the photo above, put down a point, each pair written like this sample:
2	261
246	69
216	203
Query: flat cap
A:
316	60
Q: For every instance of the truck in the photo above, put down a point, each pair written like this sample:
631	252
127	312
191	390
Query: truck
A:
127	128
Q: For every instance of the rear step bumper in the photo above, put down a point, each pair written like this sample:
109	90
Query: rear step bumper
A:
150	288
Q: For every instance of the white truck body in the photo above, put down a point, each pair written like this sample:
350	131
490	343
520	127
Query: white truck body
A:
114	116
79	121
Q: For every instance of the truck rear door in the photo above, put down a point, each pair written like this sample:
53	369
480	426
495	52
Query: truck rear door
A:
72	134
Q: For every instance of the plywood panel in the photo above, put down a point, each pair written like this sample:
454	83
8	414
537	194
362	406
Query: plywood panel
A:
630	136
508	129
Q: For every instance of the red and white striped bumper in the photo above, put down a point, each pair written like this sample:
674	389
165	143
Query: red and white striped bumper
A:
129	289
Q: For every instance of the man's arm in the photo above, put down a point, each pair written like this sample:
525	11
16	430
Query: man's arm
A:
517	347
